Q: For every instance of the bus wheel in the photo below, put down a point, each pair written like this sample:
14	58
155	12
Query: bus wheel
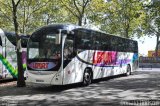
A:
128	70
87	77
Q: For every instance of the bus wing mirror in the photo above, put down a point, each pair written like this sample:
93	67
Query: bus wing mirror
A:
58	37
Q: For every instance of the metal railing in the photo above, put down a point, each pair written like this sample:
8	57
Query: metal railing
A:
149	59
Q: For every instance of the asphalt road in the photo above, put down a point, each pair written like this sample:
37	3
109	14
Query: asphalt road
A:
142	87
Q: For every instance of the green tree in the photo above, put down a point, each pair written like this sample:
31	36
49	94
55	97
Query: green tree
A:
152	24
20	80
5	15
77	8
122	17
54	13
96	12
31	14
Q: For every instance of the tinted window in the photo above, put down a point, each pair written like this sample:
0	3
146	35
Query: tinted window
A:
68	49
83	39
105	41
93	40
123	45
0	41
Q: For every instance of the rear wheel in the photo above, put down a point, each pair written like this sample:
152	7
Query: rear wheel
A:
87	77
128	70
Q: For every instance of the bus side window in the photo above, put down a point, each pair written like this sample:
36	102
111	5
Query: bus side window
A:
95	39
135	47
0	41
68	49
83	40
105	42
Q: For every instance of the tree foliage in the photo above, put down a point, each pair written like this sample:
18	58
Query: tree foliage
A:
6	20
77	8
122	17
152	24
31	14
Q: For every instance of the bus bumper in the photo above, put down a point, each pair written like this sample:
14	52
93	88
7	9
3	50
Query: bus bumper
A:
49	79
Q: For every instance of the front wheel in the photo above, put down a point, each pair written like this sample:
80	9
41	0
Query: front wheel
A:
128	70
87	77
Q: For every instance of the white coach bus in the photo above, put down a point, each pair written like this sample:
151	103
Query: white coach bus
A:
8	56
63	54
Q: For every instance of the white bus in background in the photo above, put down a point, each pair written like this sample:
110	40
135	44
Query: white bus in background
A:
8	56
63	54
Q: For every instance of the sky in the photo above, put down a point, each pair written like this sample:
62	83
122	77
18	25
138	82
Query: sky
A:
145	44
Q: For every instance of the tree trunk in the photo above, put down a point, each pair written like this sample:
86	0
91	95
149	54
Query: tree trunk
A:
80	21
20	80
126	31
156	50
126	34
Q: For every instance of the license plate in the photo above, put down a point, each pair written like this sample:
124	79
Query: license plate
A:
39	80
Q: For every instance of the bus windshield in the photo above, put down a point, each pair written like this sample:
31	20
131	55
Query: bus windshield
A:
44	47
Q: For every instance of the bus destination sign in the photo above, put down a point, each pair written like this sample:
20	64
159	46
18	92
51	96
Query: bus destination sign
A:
42	65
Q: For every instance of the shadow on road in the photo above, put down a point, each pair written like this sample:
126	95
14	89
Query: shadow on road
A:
113	90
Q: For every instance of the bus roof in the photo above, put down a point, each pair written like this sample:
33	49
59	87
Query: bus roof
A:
54	27
70	27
